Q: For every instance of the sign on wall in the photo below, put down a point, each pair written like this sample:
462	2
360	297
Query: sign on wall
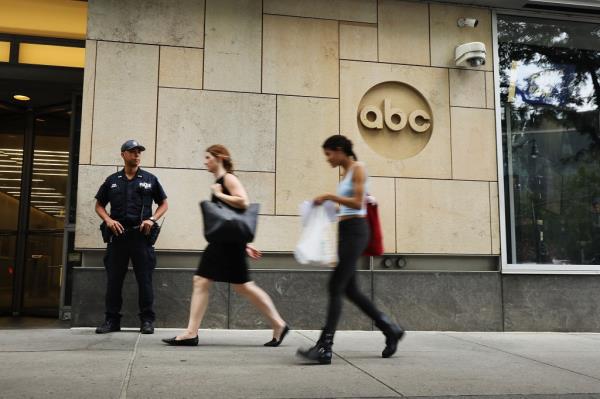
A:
395	120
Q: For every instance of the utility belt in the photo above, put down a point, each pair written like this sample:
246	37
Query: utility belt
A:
108	236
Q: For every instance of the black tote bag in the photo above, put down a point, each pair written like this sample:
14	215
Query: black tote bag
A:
225	224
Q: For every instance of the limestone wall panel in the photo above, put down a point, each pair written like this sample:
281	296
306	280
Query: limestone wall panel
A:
278	233
358	41
442	217
473	144
467	88
124	100
300	56
233	45
167	22
191	120
303	124
181	67
404	32
260	187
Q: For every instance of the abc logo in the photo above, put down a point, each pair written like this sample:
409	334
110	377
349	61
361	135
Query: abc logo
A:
395	120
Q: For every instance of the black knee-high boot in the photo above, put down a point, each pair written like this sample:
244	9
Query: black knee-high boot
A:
321	352
393	333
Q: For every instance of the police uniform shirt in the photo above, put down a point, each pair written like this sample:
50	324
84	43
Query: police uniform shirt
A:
130	198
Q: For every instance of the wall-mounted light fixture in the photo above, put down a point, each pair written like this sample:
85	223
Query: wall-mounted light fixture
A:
21	97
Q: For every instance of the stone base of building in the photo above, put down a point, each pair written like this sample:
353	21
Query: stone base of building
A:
437	301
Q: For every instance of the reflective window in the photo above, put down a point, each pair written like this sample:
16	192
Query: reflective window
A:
50	171
550	92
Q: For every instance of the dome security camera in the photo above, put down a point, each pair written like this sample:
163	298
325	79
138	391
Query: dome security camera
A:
467	22
470	54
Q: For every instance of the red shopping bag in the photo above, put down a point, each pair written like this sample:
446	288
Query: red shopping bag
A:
375	247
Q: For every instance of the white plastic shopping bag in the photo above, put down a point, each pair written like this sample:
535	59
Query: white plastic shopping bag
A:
317	244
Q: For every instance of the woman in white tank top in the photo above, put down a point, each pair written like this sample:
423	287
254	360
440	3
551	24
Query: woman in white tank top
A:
354	235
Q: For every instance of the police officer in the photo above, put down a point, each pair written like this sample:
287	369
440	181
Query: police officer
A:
130	193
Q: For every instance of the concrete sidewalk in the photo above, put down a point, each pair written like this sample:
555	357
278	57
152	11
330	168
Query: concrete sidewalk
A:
76	363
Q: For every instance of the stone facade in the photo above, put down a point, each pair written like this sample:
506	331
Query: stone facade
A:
271	80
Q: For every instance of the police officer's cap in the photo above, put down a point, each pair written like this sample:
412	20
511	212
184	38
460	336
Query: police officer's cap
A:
131	144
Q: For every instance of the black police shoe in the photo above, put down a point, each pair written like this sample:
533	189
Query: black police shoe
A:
147	327
108	326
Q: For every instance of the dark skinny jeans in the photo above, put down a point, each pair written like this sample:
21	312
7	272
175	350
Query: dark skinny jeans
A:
354	235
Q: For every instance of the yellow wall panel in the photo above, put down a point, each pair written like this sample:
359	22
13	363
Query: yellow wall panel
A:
49	18
4	51
43	54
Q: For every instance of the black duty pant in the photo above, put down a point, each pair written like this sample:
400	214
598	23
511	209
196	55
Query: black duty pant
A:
354	235
130	245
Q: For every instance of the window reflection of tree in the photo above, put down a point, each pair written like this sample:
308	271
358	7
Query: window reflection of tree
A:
556	144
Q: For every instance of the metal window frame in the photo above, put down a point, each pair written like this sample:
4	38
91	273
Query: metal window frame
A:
69	227
23	216
14	70
515	268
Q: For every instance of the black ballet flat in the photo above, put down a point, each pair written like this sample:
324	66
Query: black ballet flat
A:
275	342
181	342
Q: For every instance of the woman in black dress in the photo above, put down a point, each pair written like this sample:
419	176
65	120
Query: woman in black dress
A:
227	262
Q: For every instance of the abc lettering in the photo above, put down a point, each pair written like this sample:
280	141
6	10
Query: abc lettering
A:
394	118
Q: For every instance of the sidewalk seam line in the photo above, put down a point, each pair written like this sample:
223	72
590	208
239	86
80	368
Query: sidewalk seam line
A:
524	357
356	367
127	378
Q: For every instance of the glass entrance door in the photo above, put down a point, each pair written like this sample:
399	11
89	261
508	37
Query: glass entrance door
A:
35	160
43	267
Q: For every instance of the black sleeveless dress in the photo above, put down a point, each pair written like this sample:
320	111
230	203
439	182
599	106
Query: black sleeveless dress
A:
226	262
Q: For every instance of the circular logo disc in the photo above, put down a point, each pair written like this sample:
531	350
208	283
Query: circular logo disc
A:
395	120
